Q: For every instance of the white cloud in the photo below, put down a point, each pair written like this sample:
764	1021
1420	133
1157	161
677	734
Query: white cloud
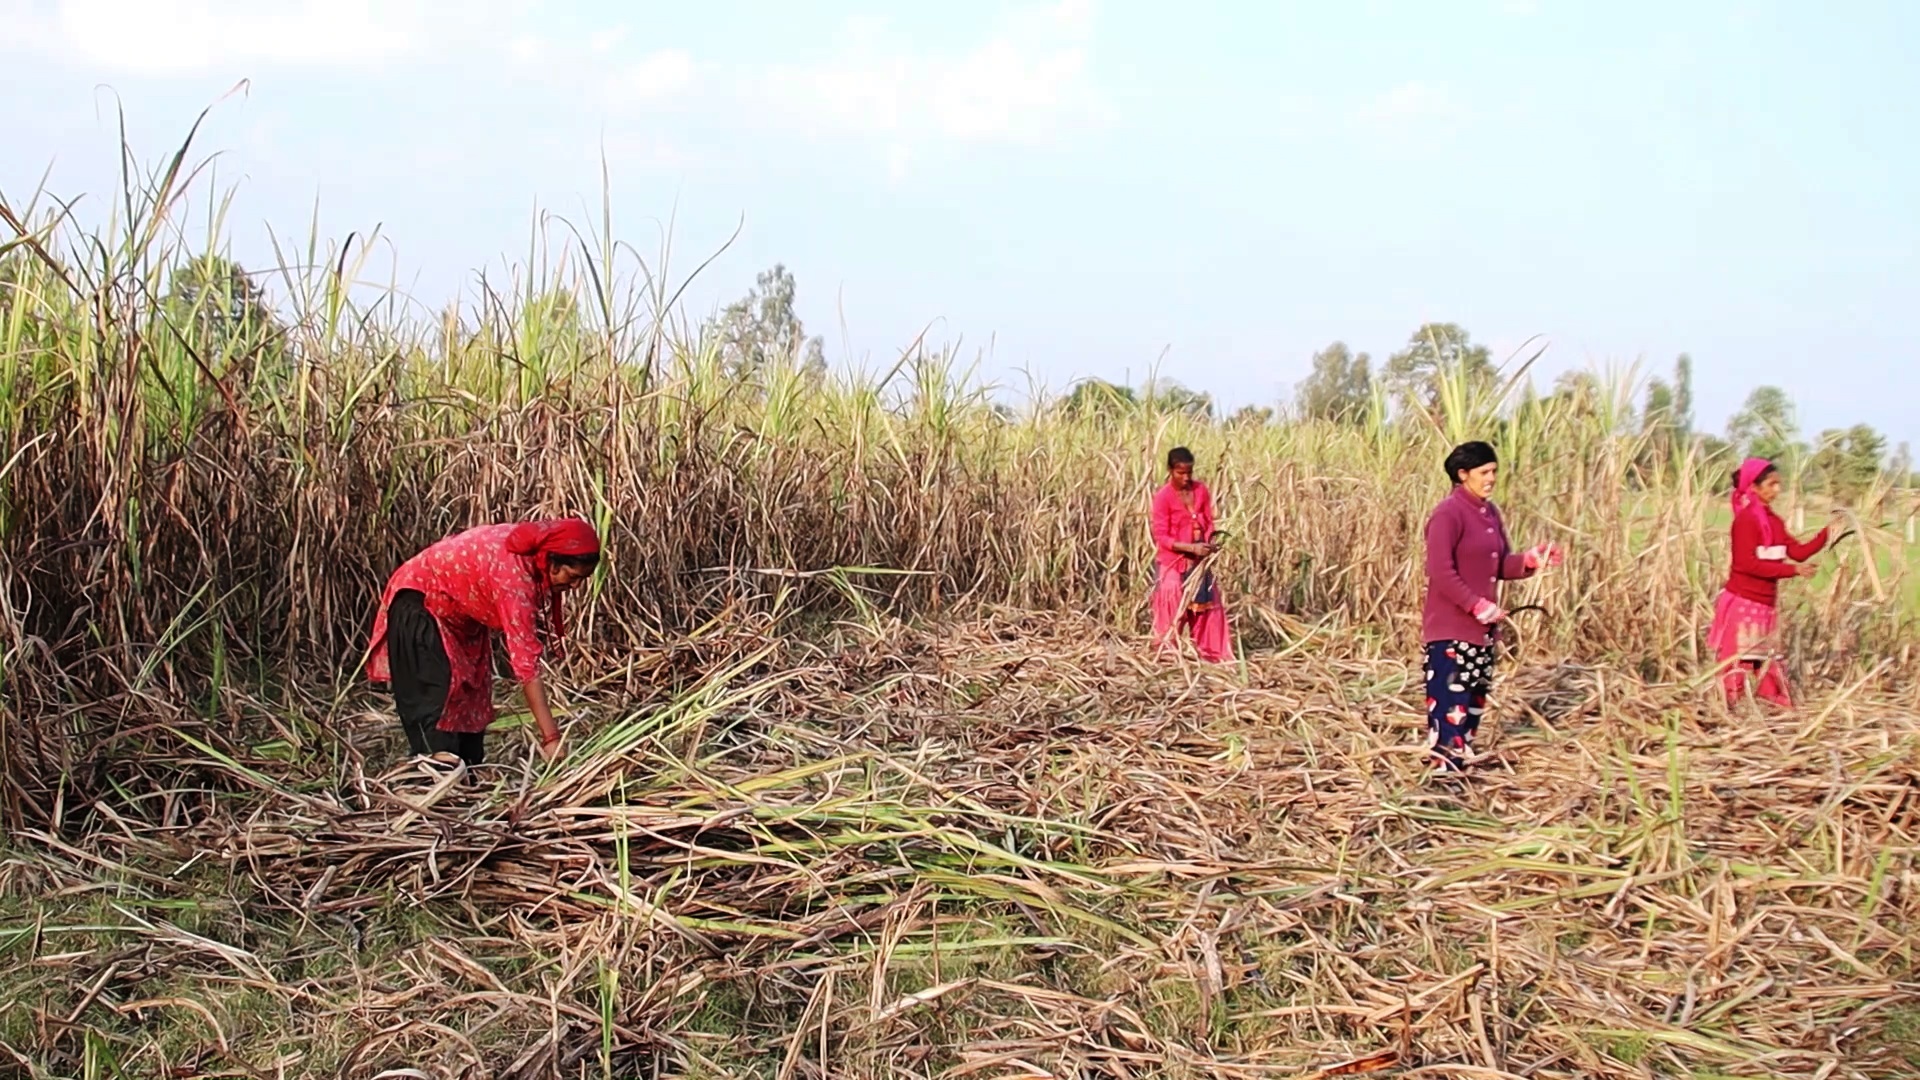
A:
644	152
528	49
657	75
1412	106
1025	84
1025	79
898	159
596	67
168	38
179	37
605	41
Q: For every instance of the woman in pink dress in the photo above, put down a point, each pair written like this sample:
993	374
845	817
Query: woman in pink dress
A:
1745	636
433	632
1183	534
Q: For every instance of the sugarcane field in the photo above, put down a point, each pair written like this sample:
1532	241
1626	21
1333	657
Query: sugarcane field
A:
565	680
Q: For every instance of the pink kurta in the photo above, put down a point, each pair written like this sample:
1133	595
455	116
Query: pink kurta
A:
473	585
1174	522
1745	635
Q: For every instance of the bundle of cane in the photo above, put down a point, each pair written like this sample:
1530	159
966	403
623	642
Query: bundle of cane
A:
1198	578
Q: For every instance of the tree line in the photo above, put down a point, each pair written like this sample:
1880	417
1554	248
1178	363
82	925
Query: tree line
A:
218	304
1441	359
1343	388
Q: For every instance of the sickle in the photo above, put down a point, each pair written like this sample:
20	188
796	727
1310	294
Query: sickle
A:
1854	528
1502	640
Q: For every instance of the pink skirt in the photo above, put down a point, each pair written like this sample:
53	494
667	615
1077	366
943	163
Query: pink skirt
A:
1745	639
1207	627
1743	629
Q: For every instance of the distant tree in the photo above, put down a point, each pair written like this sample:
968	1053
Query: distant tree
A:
549	325
1167	396
1682	419
1659	409
556	310
1661	438
219	309
1251	416
1340	390
1765	425
1847	462
1867	446
1659	415
1578	393
1900	467
1097	397
762	329
1435	353
1717	458
1666	419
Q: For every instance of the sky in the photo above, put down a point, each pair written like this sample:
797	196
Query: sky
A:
1083	187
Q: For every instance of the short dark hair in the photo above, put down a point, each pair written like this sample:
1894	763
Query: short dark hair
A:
1179	455
1467	457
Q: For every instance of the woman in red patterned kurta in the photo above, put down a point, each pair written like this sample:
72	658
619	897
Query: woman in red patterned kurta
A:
432	637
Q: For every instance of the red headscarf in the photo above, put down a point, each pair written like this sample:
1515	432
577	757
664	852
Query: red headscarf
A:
560	536
1746	502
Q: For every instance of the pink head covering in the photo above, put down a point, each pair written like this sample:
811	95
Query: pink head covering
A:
561	536
1745	501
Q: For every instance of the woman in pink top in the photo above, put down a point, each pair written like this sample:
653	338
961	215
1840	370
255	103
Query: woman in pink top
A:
1745	635
433	632
1467	557
1183	534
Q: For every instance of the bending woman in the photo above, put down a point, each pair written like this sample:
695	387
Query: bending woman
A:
1183	535
432	637
1467	557
1745	632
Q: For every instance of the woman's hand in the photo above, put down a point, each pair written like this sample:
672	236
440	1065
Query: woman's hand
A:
552	749
1805	569
1544	555
543	718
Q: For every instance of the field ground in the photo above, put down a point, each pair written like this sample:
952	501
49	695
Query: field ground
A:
1012	847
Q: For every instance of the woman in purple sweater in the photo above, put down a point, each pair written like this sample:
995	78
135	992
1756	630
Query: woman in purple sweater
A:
1467	558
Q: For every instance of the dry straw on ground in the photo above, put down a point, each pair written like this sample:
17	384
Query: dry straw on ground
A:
1019	847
